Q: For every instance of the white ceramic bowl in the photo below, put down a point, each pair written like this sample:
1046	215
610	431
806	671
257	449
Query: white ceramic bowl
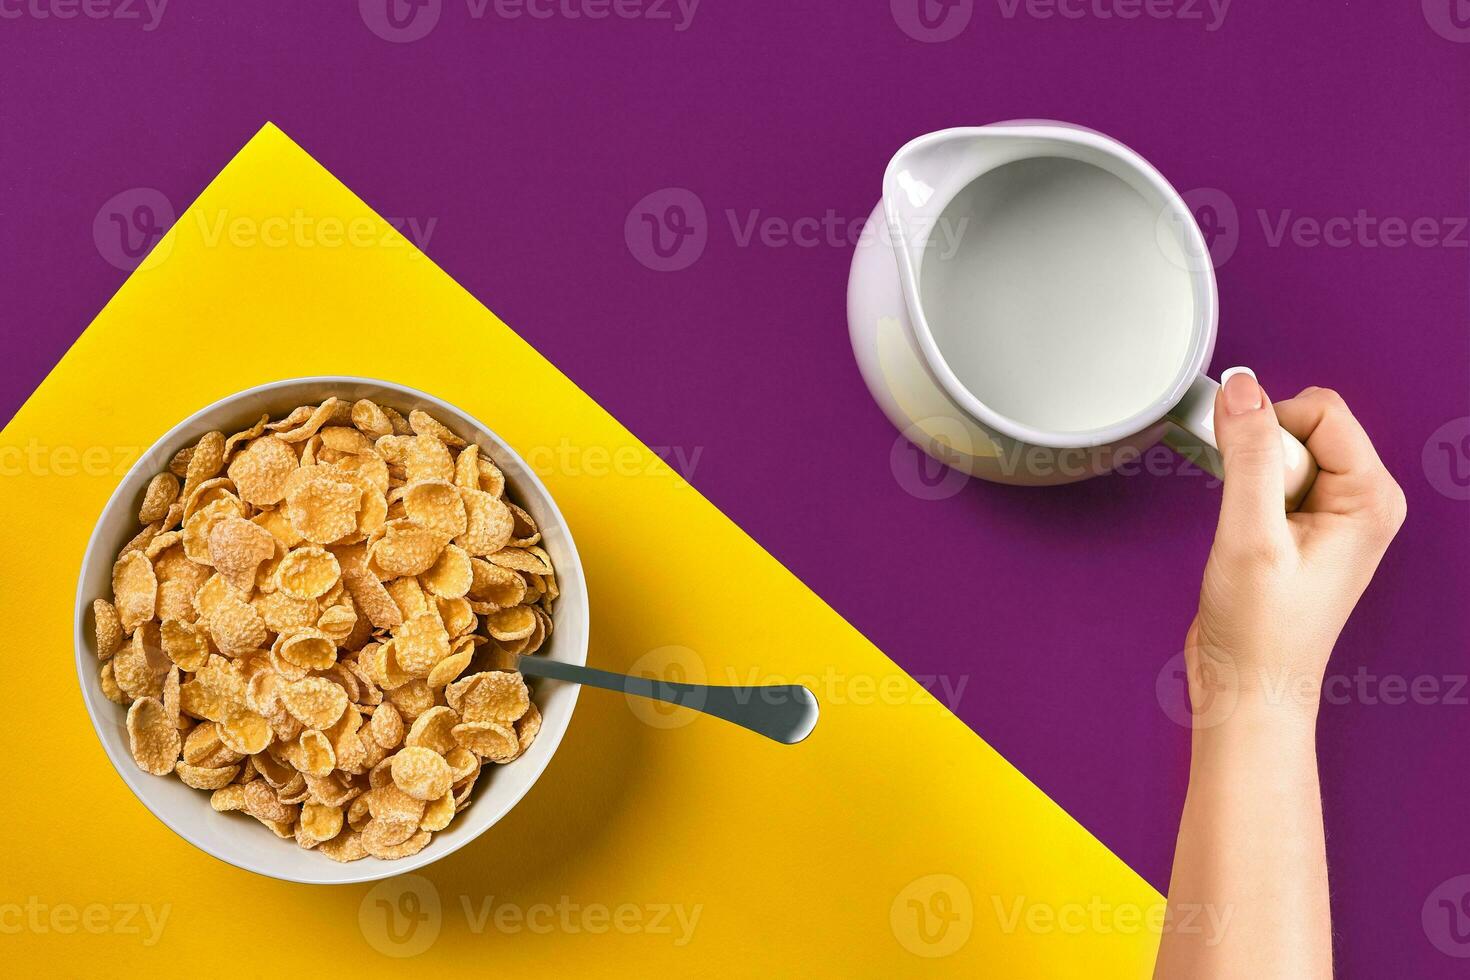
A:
237	838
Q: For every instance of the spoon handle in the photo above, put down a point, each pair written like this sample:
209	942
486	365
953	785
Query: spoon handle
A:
784	712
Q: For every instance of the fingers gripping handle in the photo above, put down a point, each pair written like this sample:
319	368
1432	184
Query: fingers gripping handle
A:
1193	436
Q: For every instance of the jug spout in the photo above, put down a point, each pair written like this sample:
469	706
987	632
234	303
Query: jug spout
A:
927	172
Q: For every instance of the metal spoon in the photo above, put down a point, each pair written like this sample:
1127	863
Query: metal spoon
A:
784	712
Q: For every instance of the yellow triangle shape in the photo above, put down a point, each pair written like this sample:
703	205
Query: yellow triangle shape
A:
893	839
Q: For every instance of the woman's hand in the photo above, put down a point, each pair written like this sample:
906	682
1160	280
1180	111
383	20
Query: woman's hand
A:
1277	590
1278	587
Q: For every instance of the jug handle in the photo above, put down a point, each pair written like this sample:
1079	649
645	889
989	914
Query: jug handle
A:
1192	435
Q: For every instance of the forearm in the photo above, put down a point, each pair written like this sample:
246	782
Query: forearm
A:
1248	897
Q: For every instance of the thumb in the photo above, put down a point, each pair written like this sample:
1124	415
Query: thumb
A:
1249	437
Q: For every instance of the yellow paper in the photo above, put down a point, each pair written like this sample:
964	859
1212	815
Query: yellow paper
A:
657	843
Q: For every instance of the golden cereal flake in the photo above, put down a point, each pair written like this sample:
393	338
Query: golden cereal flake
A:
426	425
152	737
237	548
421	773
261	470
160	495
308	572
107	628
314	701
134	590
321	507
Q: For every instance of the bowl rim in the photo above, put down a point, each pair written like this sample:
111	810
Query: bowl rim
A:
355	872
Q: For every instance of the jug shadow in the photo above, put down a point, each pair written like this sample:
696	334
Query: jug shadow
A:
1099	508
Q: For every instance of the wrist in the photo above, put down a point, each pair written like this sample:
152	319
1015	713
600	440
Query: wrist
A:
1263	685
1252	719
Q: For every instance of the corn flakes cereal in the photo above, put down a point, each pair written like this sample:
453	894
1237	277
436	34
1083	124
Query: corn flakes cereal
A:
406	549
107	628
420	643
528	726
314	701
296	627
134	590
420	772
386	726
236	549
261	470
162	491
426	425
322	504
244	731
426	458
108	682
152	737
489	740
489	524
205	777
371	420
204	462
492	695
236	627
450	576
308	572
435	504
515	623
433	730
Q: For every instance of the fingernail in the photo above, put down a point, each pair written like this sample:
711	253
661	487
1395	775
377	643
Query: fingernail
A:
1242	393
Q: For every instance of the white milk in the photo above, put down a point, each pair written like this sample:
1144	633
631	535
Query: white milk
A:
1058	305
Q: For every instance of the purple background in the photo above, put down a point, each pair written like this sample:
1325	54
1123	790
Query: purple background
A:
529	141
